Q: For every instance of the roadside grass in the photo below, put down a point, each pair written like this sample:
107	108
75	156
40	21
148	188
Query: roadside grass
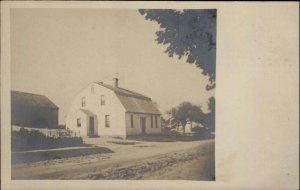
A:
117	137
169	138
122	142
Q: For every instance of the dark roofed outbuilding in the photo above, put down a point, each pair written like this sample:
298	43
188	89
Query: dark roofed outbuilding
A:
33	110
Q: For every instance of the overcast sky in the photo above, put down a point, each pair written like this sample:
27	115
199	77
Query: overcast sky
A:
57	52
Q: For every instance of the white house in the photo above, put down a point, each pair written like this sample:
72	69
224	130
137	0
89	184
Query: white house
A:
108	110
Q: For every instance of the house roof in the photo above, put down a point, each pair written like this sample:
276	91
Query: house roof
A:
88	112
29	99
132	101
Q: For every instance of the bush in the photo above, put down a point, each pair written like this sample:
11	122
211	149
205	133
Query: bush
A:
30	140
202	131
165	130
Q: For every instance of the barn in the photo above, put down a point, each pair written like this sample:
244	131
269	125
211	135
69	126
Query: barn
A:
33	110
109	110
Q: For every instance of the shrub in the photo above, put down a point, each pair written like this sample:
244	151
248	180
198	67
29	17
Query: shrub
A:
202	132
30	140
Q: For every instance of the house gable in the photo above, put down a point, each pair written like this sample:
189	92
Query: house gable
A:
112	108
92	95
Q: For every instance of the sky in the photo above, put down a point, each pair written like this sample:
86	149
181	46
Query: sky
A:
58	52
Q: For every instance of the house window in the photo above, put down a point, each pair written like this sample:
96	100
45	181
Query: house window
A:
107	125
92	89
78	122
156	122
102	100
131	121
83	102
151	121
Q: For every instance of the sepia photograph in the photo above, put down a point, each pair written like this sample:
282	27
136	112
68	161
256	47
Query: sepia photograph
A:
122	94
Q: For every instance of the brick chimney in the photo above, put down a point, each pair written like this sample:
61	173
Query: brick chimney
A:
116	82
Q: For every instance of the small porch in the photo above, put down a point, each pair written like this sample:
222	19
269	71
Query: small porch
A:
91	123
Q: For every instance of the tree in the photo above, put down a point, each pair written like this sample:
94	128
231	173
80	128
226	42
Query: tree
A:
190	33
186	112
209	119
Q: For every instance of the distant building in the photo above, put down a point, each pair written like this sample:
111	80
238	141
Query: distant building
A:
33	110
190	125
102	109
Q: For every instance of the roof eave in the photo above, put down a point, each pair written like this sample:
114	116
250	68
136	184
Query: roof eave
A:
143	113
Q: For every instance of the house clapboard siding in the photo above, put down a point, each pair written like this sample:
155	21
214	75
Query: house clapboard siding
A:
108	110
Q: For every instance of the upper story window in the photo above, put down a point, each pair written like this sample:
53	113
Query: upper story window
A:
131	121
102	100
107	124
83	103
92	89
78	122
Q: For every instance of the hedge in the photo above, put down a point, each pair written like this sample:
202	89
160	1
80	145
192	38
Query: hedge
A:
30	140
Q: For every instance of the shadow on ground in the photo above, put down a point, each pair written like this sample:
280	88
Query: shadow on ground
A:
40	155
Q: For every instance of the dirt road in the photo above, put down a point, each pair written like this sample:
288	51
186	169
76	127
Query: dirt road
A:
140	160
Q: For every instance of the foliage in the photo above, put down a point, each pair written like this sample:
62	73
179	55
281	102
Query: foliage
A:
209	119
28	140
187	112
190	33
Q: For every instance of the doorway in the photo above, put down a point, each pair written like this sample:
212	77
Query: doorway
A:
92	126
143	125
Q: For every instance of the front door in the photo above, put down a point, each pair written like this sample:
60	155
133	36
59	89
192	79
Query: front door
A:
143	125
92	126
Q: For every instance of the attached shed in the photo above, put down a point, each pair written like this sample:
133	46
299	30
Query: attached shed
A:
33	110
